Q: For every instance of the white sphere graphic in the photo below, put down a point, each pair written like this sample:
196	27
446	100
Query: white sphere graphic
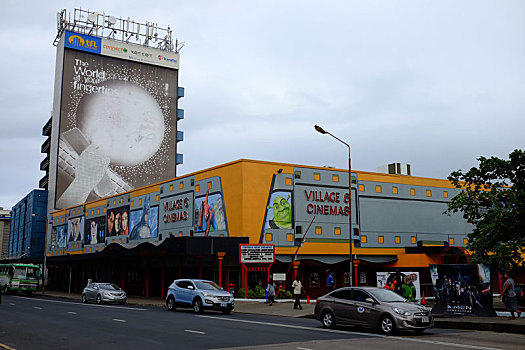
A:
123	120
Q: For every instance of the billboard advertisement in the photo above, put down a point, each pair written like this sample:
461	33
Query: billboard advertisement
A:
405	284
59	236
117	221
117	124
279	212
462	289
95	230
210	215
75	229
144	222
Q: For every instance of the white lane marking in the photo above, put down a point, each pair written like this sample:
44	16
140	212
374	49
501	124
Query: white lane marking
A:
96	305
299	348
118	320
37	307
416	340
72	312
12	304
190	331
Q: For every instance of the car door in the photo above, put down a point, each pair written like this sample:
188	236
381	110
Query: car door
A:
342	305
91	291
365	312
181	295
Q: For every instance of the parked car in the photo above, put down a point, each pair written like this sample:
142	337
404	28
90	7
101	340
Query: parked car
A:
104	293
372	307
200	295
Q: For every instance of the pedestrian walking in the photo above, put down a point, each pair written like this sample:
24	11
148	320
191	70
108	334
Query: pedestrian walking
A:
297	288
509	297
270	291
330	283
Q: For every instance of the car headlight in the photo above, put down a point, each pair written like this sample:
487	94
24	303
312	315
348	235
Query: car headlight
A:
401	311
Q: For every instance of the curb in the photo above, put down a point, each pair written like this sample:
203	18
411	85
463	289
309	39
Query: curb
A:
500	327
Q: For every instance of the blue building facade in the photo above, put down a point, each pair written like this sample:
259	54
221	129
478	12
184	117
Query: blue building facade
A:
28	226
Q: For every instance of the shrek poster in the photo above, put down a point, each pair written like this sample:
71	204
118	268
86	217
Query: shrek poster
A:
279	212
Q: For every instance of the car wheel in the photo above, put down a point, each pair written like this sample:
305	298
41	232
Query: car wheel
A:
170	303
328	319
84	299
226	311
387	325
99	299
197	306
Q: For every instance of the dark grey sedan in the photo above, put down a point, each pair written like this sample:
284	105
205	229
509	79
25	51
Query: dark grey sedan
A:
104	293
372	307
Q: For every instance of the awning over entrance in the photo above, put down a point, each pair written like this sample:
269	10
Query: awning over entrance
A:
377	259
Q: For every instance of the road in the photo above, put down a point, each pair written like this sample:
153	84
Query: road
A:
50	323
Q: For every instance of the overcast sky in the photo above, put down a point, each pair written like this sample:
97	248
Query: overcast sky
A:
434	84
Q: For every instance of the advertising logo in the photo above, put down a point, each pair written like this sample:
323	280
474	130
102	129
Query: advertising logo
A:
82	42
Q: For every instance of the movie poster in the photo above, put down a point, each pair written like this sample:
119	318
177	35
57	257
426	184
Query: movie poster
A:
407	285
117	221
117	127
210	215
75	230
145	222
462	289
59	237
95	230
279	212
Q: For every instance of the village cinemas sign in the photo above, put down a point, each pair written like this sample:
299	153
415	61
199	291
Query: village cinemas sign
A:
176	210
327	203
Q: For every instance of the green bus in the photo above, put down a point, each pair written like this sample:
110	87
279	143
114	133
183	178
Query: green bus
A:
19	278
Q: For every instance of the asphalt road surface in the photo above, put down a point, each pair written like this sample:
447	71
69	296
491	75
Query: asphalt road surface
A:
50	323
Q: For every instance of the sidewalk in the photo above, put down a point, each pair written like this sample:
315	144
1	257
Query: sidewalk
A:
284	308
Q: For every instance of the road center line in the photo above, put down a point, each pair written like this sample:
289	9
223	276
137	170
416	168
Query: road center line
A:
190	331
37	307
118	320
94	305
299	348
416	340
72	312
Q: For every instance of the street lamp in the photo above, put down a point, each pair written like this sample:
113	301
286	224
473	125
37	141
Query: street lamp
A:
323	131
44	267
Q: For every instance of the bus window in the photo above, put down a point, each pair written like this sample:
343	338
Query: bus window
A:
31	273
20	272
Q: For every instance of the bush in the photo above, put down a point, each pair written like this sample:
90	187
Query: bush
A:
284	294
258	293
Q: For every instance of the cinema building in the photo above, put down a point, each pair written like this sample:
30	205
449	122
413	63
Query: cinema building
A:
192	226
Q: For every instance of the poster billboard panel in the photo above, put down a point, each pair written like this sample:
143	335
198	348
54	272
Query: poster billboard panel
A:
117	125
404	283
462	289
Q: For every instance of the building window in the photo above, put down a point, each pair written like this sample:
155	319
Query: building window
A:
317	176
318	230
381	239
445	194
121	201
398	239
180	234
98	211
288	181
209	185
132	203
379	189
363	239
181	185
140	201
171	188
429	193
465	241
289	237
413	240
361	188
92	212
197	188
412	192
337	231
335	178
115	202
157	198
394	190
451	241
269	237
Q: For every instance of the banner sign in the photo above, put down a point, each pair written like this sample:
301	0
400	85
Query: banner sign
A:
118	49
462	289
256	253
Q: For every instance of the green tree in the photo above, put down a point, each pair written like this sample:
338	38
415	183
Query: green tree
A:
493	200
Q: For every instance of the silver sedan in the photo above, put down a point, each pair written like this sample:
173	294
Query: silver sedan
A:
372	307
104	293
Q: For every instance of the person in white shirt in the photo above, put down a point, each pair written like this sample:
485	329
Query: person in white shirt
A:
297	287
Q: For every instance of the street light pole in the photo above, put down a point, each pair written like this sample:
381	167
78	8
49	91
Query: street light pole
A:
323	131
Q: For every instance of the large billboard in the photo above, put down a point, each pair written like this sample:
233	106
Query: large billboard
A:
117	122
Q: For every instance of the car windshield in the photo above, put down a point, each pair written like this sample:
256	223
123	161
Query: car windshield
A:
108	286
207	285
386	296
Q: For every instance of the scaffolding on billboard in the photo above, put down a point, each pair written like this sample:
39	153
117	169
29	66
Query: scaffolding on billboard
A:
121	29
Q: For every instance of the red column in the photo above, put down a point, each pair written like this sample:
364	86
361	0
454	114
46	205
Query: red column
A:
356	278
295	267
220	256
